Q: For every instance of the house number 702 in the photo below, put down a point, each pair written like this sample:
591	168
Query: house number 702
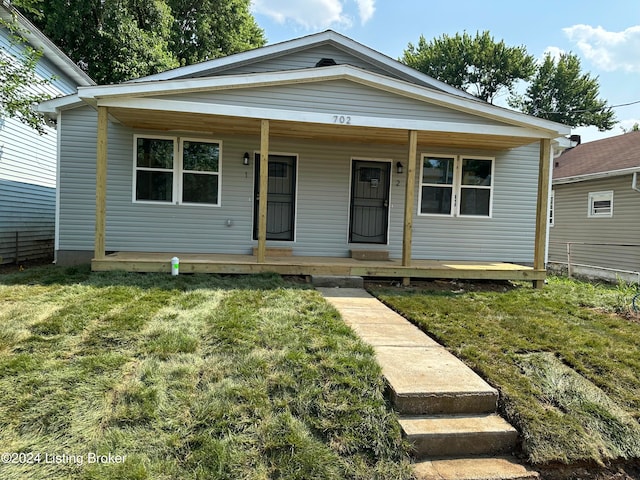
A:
342	119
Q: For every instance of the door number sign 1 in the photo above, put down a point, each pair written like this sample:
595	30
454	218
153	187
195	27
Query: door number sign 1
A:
342	119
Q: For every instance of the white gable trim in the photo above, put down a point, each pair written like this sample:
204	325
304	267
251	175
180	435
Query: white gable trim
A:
327	37
312	117
475	107
54	106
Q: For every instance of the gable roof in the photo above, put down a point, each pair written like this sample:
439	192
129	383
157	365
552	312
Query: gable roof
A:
610	156
39	40
328	37
388	75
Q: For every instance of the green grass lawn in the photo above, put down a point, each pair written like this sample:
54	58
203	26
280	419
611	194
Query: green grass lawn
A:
567	366
194	377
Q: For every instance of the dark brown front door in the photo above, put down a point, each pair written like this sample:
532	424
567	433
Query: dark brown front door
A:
369	213
280	199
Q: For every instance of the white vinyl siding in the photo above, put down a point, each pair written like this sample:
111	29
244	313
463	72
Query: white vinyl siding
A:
600	204
28	171
333	97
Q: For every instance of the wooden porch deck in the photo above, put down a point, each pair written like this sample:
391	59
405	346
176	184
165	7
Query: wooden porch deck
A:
299	265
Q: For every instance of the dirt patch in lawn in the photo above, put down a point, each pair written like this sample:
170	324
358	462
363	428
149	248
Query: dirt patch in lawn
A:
437	285
622	471
24	265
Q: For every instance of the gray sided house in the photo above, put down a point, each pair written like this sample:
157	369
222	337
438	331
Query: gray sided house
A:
316	155
595	217
27	159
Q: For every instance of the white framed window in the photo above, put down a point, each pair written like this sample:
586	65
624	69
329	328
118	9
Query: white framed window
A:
177	170
436	185
552	201
600	204
456	185
154	169
200	177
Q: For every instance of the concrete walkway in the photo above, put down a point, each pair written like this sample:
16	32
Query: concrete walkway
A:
447	412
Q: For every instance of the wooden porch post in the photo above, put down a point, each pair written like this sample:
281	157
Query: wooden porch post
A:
264	186
409	196
101	183
542	219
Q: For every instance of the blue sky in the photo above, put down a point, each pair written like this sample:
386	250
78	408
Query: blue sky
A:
605	35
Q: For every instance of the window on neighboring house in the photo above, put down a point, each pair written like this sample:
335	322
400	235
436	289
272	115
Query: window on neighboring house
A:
600	204
455	185
552	200
173	170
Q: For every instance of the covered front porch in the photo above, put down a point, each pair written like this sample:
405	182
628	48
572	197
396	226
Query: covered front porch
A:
307	266
325	146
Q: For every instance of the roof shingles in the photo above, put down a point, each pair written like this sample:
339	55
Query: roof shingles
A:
607	155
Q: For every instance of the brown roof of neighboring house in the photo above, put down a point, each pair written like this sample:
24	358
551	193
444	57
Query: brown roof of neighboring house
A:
606	155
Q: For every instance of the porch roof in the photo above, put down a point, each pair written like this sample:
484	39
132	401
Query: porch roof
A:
165	121
162	106
131	94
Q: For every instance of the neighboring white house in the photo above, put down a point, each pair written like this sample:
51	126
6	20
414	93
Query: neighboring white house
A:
27	159
357	155
595	216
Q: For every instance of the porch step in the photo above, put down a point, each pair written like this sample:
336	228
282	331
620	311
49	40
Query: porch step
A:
428	380
329	281
276	251
476	468
458	435
370	254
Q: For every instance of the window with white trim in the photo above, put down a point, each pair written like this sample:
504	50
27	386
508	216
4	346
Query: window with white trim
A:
456	185
600	204
177	170
552	201
154	165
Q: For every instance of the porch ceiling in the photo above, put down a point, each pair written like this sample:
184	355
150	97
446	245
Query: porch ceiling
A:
217	124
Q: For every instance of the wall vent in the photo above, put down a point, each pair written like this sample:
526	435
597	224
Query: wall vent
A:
326	62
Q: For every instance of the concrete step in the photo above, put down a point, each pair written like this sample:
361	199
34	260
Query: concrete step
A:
458	435
430	380
475	468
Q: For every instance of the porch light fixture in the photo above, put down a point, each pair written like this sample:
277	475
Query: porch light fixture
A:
399	168
245	158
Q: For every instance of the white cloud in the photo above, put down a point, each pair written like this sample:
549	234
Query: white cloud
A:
313	14
628	123
366	9
555	53
608	50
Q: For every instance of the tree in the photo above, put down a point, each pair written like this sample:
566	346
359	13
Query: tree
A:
559	91
479	65
208	29
112	40
117	40
21	88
